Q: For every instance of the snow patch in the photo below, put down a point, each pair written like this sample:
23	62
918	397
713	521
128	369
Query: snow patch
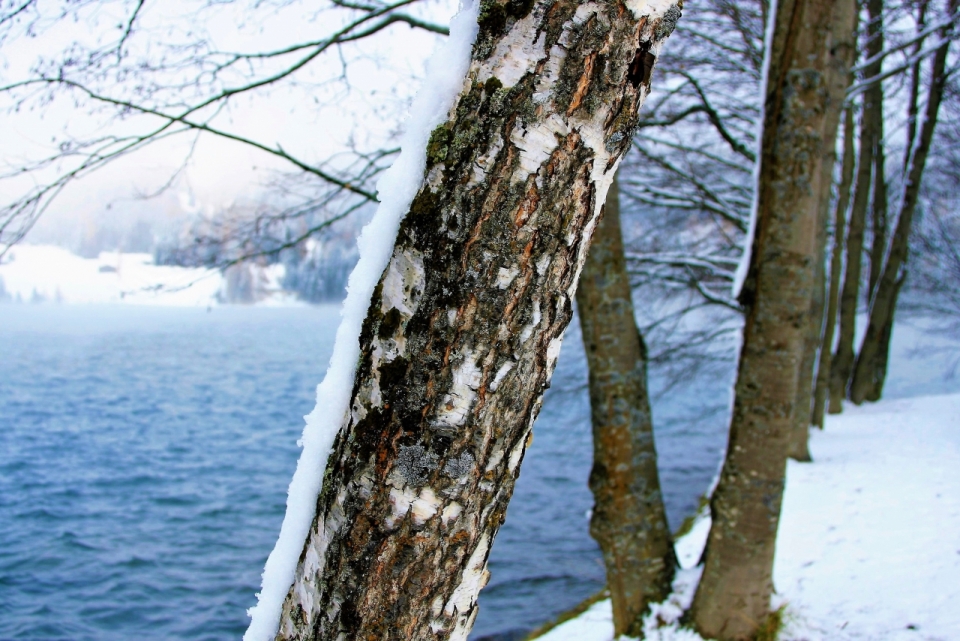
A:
689	547
867	545
655	9
396	189
51	274
743	267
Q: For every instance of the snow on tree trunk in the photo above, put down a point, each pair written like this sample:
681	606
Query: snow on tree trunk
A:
629	521
464	326
733	597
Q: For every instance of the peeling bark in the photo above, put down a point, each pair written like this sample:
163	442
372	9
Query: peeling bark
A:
733	597
629	521
464	328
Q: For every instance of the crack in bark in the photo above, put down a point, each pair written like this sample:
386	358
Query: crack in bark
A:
464	329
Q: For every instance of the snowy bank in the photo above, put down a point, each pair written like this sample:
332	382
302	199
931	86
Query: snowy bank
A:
46	273
869	540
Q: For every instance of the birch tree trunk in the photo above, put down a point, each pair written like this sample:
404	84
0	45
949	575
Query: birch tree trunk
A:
836	268
733	597
629	521
464	328
841	56
871	366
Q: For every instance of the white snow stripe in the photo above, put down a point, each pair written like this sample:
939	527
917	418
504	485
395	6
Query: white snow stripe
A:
743	268
396	190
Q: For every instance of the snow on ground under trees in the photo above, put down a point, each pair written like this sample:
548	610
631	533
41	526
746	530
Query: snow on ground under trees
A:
869	539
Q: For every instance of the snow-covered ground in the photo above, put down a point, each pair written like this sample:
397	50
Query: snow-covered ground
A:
869	540
47	273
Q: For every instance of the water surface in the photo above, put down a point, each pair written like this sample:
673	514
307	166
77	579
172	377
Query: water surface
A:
145	454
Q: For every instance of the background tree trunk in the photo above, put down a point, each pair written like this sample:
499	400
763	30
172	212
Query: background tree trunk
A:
870	127
629	521
842	54
836	267
875	390
913	106
464	328
733	597
797	445
797	441
871	363
874	97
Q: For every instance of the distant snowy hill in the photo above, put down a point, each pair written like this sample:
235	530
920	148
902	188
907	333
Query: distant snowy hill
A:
46	273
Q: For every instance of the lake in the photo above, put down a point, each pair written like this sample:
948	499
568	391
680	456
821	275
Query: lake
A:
145	454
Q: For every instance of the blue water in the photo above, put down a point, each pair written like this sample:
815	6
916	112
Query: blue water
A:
145	455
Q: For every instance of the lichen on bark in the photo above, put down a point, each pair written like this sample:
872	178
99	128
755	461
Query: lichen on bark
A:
629	521
464	329
733	596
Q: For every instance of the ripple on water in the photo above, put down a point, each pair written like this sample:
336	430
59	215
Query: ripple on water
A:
146	454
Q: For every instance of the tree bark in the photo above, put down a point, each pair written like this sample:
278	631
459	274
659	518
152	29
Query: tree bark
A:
843	51
913	106
464	329
798	441
841	368
871	127
882	358
874	98
836	267
629	521
733	597
870	371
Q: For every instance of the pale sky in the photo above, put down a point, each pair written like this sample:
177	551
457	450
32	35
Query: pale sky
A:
308	121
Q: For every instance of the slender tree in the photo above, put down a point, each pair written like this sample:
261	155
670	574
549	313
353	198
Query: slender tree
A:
836	269
873	97
913	106
464	328
629	521
733	596
871	127
871	365
837	78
